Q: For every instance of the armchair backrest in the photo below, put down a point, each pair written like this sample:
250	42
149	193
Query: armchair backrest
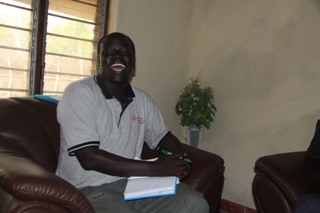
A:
30	126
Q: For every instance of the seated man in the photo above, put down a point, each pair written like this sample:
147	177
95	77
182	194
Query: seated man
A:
104	123
309	203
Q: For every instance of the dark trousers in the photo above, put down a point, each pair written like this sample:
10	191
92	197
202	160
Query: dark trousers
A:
309	203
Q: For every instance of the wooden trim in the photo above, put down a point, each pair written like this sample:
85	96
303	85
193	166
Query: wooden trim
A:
36	78
106	19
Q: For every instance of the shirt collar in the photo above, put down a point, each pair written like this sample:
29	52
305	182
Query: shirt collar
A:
106	92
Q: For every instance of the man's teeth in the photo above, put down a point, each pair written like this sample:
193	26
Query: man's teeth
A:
118	65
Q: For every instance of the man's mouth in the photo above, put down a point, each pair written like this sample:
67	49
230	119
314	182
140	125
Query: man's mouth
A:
118	67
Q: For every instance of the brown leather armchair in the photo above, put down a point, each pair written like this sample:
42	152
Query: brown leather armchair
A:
29	149
282	178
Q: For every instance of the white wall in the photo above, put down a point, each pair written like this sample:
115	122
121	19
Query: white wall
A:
261	57
263	60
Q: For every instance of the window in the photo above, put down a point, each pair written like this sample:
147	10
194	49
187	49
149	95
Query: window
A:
45	45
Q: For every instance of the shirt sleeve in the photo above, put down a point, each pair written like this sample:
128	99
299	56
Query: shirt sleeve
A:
76	116
156	128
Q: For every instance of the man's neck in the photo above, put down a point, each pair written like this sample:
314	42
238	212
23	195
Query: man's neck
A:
118	90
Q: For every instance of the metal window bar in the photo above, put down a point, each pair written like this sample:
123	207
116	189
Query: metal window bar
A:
68	74
72	19
13	27
81	2
53	92
70	37
70	56
15	90
14	69
14	48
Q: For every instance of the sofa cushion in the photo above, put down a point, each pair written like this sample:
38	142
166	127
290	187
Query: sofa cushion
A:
32	125
292	173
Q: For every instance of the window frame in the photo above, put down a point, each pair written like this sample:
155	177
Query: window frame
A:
38	42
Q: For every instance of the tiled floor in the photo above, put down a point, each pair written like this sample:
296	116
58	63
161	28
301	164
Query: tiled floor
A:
230	207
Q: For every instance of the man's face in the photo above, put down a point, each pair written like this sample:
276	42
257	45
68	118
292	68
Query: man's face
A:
116	59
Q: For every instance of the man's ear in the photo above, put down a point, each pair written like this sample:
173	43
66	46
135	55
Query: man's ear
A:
98	61
133	70
134	63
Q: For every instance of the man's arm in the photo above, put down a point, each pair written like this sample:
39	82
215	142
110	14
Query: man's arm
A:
172	144
93	158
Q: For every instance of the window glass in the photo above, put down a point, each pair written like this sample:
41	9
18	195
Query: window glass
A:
15	36
70	44
71	40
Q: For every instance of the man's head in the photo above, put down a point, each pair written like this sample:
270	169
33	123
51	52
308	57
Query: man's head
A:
116	57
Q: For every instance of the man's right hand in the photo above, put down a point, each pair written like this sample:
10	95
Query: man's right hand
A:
170	165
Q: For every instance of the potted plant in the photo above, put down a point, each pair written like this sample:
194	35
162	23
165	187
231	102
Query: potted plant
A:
196	108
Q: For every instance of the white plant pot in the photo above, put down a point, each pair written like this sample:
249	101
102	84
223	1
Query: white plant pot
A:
194	135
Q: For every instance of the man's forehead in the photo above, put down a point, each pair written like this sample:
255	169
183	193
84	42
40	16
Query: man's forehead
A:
116	38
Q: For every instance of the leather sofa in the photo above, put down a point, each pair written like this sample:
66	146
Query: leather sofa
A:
29	149
282	178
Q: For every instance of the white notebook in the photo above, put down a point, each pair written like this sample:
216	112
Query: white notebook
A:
146	187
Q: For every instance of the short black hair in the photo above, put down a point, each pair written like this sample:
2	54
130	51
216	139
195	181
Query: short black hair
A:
101	39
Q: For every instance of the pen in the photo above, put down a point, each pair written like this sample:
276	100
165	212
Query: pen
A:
165	152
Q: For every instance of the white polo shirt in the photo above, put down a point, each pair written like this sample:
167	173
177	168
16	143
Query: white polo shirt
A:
90	116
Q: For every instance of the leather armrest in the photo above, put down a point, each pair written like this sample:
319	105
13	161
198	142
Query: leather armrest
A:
25	180
282	179
206	165
292	172
206	175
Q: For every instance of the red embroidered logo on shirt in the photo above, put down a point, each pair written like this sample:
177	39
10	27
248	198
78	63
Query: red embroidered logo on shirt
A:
139	119
134	118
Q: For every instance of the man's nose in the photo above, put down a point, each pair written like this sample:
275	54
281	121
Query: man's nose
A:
117	54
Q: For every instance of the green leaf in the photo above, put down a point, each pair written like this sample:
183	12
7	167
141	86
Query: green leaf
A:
196	105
